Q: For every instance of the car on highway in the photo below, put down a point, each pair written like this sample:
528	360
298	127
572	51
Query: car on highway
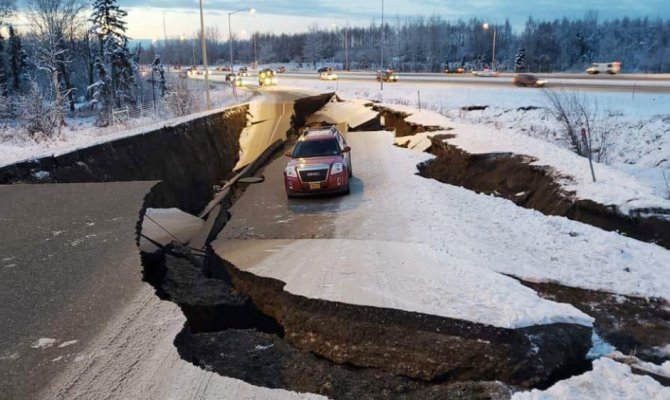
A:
324	69
243	72
320	163
388	75
605	68
458	70
328	76
528	80
222	69
486	73
281	70
267	77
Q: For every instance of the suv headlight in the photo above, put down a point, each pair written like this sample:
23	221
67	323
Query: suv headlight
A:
290	172
337	168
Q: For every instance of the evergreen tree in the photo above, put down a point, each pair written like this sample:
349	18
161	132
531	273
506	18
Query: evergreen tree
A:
158	69
110	27
520	60
102	94
17	59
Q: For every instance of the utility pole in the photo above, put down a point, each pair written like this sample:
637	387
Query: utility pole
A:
494	49
255	54
165	42
230	43
346	47
381	65
204	57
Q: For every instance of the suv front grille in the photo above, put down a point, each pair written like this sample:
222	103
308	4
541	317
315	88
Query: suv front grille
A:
313	175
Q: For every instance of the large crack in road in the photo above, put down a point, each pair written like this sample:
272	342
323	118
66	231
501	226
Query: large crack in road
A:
515	178
248	326
245	321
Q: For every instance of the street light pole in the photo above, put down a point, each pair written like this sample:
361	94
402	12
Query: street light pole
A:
252	11
381	51
346	46
204	57
493	56
255	54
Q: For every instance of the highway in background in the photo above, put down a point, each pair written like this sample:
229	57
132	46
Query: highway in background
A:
657	83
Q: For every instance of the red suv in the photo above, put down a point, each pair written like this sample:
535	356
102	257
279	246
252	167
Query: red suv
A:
320	163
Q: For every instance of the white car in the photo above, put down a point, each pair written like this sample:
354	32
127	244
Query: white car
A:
328	76
485	73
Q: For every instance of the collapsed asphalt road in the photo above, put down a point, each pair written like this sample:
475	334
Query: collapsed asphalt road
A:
266	238
68	264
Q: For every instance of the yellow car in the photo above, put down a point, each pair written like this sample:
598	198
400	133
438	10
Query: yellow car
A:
267	77
328	76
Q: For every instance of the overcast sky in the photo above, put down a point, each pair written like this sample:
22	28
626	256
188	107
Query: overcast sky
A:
145	17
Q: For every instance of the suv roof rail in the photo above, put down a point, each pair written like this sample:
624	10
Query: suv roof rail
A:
332	129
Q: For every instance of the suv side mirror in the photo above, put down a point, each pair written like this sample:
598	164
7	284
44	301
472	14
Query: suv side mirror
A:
346	149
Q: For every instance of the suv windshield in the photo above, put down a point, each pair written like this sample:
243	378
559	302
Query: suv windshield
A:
316	148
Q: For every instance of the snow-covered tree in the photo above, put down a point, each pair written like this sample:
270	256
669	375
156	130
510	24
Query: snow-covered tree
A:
181	99
520	60
54	21
109	25
313	48
102	94
3	70
158	75
17	59
50	58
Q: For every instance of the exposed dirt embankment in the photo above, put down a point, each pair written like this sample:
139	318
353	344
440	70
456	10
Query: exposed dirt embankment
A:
188	158
418	345
513	177
247	327
396	121
303	108
633	325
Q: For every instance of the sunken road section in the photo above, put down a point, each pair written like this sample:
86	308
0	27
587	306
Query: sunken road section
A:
248	327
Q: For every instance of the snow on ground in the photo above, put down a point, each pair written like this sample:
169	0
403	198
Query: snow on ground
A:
488	231
613	186
661	370
135	358
608	380
432	248
390	274
639	123
16	146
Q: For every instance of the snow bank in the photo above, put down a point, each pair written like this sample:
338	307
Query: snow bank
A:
607	380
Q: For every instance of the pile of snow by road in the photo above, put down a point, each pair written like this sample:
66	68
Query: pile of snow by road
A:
608	380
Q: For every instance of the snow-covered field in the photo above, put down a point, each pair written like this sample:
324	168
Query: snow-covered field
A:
609	380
